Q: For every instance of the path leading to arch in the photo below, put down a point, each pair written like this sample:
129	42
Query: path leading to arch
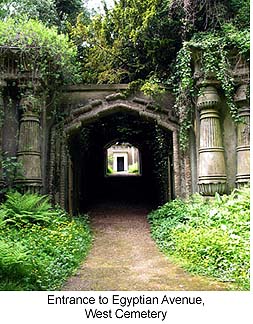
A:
124	257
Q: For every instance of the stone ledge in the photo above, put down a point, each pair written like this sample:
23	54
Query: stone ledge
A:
95	87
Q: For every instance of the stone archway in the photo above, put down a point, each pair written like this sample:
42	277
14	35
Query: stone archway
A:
217	158
92	113
102	130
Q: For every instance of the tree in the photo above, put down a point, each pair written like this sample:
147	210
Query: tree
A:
69	9
140	39
206	15
50	12
133	40
43	10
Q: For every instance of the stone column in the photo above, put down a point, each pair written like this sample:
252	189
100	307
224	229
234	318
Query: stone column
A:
212	172
29	146
243	137
2	84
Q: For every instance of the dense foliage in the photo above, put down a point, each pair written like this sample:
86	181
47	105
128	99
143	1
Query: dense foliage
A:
39	246
145	43
41	48
208	237
216	33
140	39
133	40
154	41
51	12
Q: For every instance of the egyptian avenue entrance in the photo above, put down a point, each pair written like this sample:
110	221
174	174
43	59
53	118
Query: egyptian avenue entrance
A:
91	183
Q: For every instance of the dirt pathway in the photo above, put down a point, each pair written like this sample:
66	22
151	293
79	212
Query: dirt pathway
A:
124	257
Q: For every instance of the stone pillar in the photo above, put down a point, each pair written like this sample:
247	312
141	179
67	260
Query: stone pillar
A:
212	172
243	137
29	146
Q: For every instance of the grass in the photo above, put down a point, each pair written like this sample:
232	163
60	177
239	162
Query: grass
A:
208	237
40	247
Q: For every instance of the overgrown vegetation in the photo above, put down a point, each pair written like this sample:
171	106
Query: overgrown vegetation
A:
40	246
58	13
217	54
140	39
208	237
40	50
155	41
134	40
148	43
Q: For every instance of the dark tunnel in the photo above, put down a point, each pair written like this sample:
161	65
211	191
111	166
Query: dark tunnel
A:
88	149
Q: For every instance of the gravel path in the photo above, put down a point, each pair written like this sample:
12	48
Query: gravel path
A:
124	257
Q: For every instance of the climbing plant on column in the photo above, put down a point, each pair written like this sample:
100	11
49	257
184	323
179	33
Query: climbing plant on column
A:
214	52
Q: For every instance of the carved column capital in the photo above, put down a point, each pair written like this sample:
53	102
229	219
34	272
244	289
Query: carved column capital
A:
30	102
241	99
208	98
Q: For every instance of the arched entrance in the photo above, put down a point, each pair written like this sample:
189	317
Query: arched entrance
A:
87	147
78	157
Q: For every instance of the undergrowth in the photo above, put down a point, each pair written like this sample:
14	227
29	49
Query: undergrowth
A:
39	246
208	237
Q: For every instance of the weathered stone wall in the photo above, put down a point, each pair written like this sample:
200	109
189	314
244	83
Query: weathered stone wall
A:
217	158
85	104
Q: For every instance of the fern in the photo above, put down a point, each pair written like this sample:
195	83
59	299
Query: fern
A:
14	260
21	209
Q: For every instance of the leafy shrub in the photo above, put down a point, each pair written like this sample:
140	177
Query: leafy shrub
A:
19	209
49	51
207	237
40	246
12	258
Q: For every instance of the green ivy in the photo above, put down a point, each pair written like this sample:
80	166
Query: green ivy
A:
11	169
215	50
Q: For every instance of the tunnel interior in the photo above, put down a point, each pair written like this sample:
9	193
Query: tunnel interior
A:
88	152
